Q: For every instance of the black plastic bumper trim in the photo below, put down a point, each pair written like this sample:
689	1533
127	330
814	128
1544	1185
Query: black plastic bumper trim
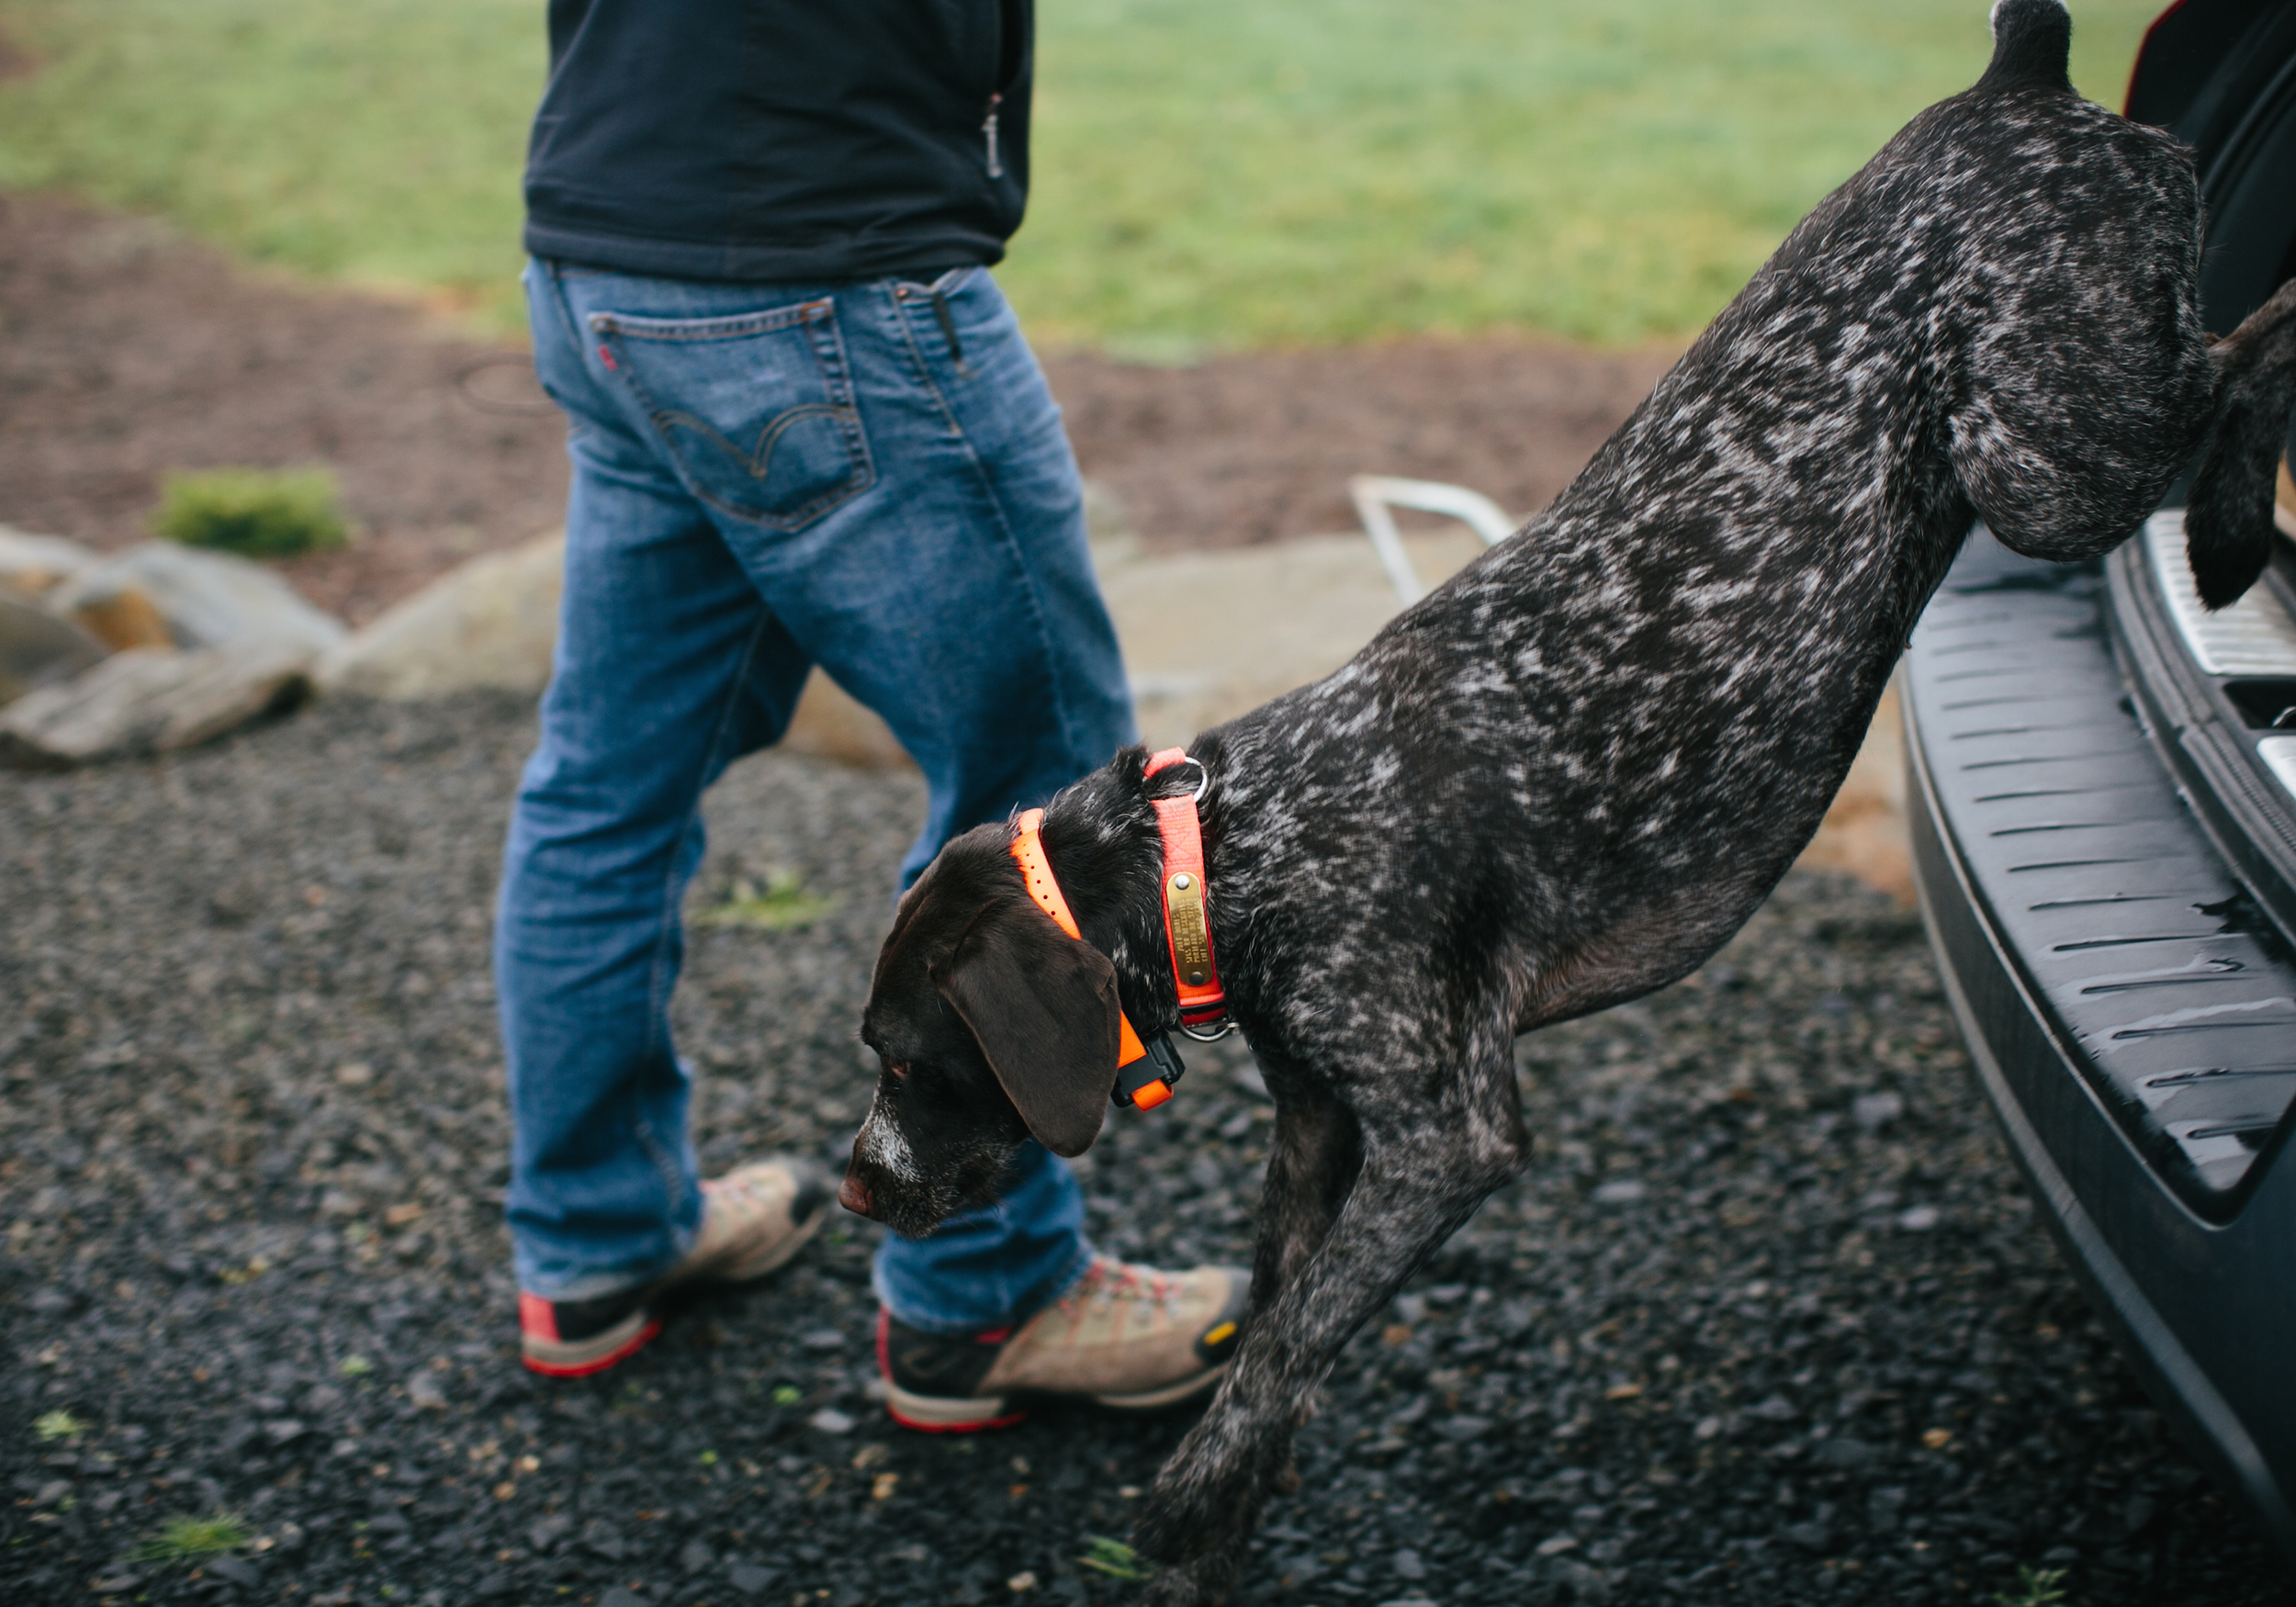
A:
2171	1376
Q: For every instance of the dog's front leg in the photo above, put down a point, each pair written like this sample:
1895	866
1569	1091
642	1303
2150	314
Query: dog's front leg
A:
1417	1183
1311	1167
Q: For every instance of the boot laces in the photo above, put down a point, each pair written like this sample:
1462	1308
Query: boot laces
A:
1109	1280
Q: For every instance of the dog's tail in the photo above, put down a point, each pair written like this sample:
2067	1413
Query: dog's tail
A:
2228	518
2031	43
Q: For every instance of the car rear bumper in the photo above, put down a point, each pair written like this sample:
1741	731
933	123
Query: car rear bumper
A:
2127	1007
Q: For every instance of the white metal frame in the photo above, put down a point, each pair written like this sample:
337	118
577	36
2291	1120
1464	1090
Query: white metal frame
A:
1376	494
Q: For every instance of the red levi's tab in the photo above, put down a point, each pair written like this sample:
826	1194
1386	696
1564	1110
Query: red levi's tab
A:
1187	913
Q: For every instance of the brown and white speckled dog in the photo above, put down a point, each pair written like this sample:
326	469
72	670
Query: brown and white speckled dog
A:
1570	774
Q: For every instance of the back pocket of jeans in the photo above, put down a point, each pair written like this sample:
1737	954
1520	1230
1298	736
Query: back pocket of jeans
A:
756	409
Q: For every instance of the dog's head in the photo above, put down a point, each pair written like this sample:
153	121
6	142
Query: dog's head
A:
992	1026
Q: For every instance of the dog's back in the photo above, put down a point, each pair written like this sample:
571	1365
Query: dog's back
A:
1631	717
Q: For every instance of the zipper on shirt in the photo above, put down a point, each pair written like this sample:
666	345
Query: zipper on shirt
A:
988	130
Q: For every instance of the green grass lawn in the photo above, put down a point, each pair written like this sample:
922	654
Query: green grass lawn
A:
1208	172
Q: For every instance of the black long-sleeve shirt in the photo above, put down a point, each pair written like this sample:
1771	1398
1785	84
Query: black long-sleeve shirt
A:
782	140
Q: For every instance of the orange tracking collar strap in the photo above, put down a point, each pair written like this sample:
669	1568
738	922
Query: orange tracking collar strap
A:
1146	1073
1144	1076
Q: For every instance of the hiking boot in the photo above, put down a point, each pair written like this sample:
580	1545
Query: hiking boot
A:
753	1220
1125	1336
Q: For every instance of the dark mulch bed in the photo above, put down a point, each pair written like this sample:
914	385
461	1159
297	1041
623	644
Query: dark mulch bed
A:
128	352
1769	1321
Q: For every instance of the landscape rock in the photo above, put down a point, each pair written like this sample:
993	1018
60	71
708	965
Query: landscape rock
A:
489	622
149	699
1207	635
207	599
829	722
1203	634
1865	830
31	565
37	649
123	619
492	622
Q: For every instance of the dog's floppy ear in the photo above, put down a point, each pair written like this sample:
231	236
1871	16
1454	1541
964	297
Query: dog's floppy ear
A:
1043	1008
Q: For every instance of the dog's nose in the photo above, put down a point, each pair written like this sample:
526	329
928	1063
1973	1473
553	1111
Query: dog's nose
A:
853	1195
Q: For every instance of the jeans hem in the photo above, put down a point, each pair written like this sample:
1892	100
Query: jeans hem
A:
1055	1288
591	1286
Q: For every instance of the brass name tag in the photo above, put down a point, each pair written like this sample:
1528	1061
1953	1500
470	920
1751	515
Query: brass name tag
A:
1192	942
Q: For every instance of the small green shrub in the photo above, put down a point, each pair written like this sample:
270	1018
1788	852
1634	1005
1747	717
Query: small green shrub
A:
59	1426
1115	1558
185	1540
257	513
2038	1587
781	906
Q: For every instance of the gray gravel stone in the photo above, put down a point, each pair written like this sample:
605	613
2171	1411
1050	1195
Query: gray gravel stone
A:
751	1579
238	1571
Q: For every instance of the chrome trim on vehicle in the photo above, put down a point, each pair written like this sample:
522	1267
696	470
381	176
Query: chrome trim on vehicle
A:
2252	637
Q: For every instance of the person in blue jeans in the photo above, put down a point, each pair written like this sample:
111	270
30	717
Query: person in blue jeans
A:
806	430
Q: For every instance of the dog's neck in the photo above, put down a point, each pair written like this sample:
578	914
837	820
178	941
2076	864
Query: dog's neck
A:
1101	838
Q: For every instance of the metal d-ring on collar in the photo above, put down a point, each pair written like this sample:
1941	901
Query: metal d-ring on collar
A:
1203	776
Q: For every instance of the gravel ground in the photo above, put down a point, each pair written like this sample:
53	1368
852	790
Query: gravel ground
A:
1770	1320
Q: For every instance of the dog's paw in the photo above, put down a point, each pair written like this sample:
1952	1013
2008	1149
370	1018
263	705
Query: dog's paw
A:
1170	1534
1192	1512
1176	1527
1204	1582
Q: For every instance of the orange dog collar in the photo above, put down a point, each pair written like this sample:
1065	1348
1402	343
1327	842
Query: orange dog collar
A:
1146	1071
1145	1092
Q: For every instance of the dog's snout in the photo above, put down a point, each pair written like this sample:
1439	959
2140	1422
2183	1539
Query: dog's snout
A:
853	1195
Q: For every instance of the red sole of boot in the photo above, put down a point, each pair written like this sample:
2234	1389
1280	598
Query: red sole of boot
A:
956	1428
584	1369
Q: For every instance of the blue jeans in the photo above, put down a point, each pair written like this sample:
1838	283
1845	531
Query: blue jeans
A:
767	477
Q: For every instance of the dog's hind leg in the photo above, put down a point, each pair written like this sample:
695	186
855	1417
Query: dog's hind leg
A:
1425	1166
2078	393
